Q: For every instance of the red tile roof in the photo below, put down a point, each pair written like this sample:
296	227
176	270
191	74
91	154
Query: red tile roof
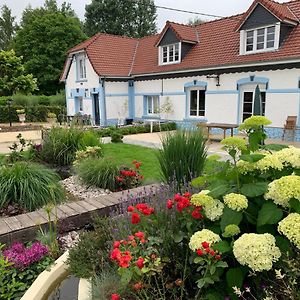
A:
183	32
218	45
279	10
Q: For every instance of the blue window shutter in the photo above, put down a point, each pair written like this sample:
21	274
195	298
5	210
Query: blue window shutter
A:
145	106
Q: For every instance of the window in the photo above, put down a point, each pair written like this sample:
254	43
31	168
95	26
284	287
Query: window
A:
248	104
170	53
86	93
152	103
197	103
80	104
81	68
260	39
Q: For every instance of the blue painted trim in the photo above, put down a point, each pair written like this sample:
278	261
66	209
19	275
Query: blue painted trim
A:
147	94
283	91
298	117
94	91
173	93
103	118
195	83
239	100
145	112
253	80
76	105
187	86
131	99
77	92
222	92
81	80
117	95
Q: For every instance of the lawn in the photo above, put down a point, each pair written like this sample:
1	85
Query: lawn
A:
125	154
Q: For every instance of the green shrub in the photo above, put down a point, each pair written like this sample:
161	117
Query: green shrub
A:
182	156
60	145
39	113
90	138
116	137
98	172
5	115
89	255
30	185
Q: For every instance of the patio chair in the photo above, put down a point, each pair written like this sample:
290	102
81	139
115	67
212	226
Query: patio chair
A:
290	127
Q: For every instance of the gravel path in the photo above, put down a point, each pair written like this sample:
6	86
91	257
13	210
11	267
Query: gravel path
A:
74	186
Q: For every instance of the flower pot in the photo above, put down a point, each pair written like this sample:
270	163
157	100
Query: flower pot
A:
22	118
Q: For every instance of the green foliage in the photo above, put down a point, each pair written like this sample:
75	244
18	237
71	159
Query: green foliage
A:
29	184
182	156
7	114
7	28
116	137
13	76
89	256
121	17
98	172
43	39
61	144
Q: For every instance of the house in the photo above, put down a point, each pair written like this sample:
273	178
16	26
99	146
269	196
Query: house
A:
203	72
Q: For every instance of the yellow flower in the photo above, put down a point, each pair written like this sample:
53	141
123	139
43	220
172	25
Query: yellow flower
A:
231	230
290	227
254	122
234	143
289	156
201	236
284	189
236	202
202	199
257	251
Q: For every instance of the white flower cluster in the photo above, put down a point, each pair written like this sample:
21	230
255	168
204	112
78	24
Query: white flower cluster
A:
201	236
290	227
284	189
289	156
257	251
236	202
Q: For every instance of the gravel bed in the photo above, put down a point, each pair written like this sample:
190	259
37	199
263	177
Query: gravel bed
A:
81	191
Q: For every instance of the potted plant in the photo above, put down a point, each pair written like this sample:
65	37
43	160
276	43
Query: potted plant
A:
21	115
51	118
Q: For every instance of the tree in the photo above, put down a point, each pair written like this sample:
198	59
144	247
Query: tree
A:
45	36
13	77
7	28
196	21
134	18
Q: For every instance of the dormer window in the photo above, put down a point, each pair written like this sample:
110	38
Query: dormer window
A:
260	39
170	54
81	67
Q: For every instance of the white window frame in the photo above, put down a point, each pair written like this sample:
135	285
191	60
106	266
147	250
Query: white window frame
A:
151	111
249	90
168	62
81	67
243	39
198	103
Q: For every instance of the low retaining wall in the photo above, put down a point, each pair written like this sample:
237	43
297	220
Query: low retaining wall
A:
23	228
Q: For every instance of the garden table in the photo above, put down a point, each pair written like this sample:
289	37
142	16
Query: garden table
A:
151	121
221	126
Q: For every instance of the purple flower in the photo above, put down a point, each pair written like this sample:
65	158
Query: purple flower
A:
22	257
38	147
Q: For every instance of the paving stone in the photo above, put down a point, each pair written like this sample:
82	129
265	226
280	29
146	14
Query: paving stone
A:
95	202
13	223
4	228
25	220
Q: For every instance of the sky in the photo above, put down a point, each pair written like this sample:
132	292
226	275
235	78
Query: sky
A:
215	7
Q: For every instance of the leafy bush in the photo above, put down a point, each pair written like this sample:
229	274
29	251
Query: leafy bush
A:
129	178
89	256
90	138
6	114
98	172
182	156
116	137
90	152
30	185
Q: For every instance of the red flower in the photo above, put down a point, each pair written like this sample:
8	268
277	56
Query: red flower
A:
115	254
130	208
177	197
169	204
119	179
125	260
207	250
199	252
148	211
138	286
117	244
180	206
130	238
141	206
196	214
140	235
115	297
218	257
212	252
143	241
187	194
138	164
140	263
135	218
205	245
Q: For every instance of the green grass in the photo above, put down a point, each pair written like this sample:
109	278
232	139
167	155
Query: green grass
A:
125	154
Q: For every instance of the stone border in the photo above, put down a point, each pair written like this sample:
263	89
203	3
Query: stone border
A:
24	227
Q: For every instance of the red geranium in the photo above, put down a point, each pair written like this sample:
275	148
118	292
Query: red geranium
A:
130	208
140	235
140	263
135	218
169	204
115	297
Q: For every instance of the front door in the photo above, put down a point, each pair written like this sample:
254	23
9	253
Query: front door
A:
96	109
